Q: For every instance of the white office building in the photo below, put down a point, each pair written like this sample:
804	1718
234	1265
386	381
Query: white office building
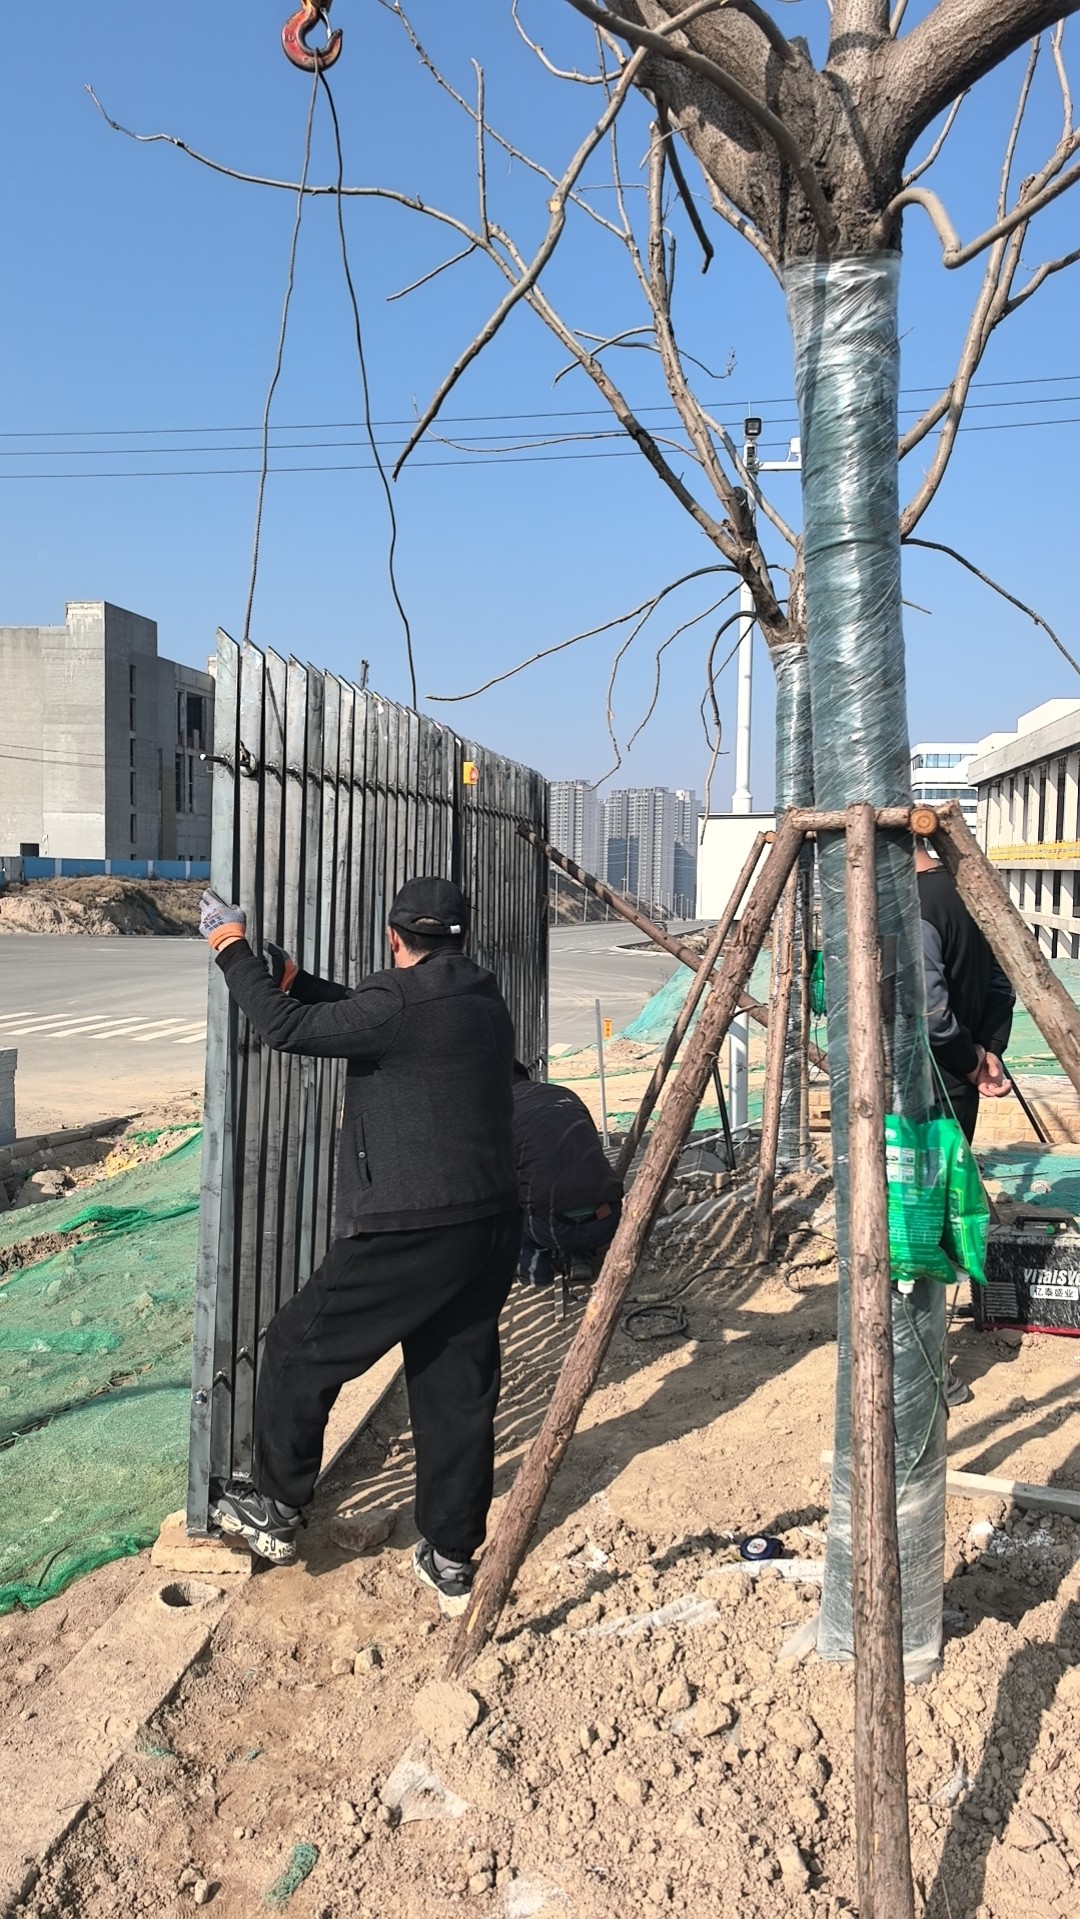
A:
1028	785
940	772
576	825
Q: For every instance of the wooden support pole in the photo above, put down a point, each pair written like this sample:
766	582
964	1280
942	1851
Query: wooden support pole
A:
627	911
883	1847
779	1012
1017	950
499	1566
686	1012
918	819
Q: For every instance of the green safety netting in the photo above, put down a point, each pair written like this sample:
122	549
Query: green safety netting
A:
1028	1051
95	1374
651	1028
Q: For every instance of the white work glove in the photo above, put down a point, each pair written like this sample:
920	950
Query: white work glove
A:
219	924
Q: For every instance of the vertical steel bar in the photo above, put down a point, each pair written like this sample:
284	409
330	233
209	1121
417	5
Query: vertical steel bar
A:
248	1160
210	1400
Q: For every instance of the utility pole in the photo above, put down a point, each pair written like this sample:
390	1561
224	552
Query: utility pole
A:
741	798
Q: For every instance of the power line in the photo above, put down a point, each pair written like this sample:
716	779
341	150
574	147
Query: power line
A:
466	419
305	446
535	458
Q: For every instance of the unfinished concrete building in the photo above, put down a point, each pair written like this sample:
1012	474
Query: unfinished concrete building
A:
101	741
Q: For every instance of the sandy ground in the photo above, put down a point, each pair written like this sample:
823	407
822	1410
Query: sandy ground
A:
603	1760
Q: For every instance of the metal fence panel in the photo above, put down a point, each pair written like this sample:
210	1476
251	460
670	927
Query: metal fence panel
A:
325	799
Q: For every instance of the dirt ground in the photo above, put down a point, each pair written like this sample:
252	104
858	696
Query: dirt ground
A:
102	905
635	1740
37	1174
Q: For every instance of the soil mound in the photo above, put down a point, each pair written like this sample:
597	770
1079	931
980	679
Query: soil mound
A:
105	905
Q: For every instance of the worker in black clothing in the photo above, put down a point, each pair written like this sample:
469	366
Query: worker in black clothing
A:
969	1001
570	1198
426	1224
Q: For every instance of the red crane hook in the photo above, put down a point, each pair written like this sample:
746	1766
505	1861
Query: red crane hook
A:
294	35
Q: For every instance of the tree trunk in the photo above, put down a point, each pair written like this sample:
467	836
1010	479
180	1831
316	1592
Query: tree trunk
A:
844	320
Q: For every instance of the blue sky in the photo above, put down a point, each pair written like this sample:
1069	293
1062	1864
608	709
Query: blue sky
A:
138	334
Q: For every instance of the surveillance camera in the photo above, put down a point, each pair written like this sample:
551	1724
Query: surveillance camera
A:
752	427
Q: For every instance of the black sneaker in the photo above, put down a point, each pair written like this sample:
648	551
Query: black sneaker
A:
268	1528
957	1392
454	1586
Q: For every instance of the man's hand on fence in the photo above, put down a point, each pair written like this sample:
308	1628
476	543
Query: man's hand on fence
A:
281	966
219	924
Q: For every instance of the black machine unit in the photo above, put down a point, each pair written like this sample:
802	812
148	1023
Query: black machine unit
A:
1032	1272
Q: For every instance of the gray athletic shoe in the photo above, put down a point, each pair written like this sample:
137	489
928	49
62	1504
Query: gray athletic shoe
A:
453	1586
267	1527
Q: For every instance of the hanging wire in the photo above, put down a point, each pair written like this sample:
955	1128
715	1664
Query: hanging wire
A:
368	423
289	284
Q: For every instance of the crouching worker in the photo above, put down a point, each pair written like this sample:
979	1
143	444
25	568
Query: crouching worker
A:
569	1195
426	1226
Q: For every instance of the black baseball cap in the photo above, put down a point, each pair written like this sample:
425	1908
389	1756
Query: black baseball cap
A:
433	906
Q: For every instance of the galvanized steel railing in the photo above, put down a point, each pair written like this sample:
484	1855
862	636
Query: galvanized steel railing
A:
325	800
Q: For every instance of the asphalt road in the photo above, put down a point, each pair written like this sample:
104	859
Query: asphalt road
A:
609	962
102	1026
109	1026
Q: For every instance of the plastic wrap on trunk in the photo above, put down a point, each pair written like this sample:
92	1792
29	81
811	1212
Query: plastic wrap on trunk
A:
844	321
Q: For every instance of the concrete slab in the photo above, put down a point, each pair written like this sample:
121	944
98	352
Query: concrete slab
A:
52	1764
213	1559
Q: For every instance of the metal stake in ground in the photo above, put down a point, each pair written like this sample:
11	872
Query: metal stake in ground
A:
499	1566
686	1012
600	1074
883	1849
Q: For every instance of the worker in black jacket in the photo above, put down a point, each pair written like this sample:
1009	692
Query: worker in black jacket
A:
969	1001
426	1224
570	1198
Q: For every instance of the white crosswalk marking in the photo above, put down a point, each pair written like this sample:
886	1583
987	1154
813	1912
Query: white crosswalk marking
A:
97	1027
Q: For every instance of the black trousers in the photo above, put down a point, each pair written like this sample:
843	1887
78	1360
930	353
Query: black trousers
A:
439	1291
965	1104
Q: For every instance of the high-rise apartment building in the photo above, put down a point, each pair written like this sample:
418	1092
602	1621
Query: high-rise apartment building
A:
639	826
687	829
576	822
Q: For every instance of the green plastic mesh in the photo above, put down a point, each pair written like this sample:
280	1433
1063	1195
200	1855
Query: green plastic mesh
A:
95	1374
651	1028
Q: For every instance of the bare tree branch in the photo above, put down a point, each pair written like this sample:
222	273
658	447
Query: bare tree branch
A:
707	69
950	121
1040	274
856	25
742	225
995	301
545	653
433	274
558	73
685	195
661	650
953	253
937	546
1056	42
481	151
523	284
956	44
